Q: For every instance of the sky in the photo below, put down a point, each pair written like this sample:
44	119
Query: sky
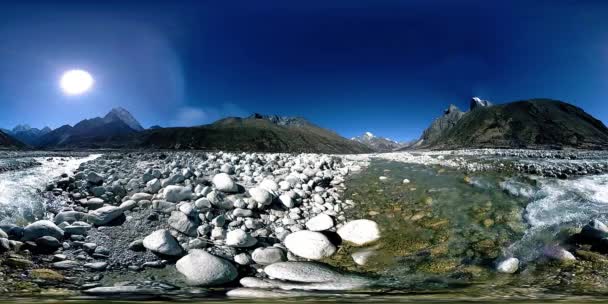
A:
388	67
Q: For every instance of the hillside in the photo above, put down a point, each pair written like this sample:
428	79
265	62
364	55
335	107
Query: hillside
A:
8	142
536	123
255	133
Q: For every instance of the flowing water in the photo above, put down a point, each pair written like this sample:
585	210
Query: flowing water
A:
20	191
442	234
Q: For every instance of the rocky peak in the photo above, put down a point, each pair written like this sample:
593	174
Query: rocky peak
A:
477	102
281	120
123	115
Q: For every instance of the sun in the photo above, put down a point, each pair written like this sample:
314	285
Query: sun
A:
76	82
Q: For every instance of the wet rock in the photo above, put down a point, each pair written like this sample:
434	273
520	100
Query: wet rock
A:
41	228
558	253
94	178
594	231
510	265
360	232
204	269
162	242
325	276
310	245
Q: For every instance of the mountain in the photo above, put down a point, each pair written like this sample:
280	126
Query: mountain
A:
8	142
534	124
260	133
439	126
120	114
28	135
477	102
92	133
378	144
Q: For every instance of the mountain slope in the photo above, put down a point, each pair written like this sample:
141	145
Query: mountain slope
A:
442	124
92	133
28	135
255	133
8	142
120	114
536	123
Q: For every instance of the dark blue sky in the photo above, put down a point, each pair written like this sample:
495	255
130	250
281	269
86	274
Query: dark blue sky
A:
389	67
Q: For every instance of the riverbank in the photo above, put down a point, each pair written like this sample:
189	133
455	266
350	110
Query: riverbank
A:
200	225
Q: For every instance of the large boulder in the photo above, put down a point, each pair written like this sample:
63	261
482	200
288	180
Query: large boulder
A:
223	182
360	232
177	194
41	228
310	245
204	269
162	242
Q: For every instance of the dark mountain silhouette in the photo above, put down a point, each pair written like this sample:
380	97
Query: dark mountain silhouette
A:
535	123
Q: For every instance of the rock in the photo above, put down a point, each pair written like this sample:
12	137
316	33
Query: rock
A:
406	181
97	266
558	253
238	212
268	255
310	245
94	203
182	223
243	259
594	231
320	222
252	293
360	232
154	186
362	257
94	178
137	245
142	196
223	182
202	204
48	243
67	264
204	269
162	242
240	238
122	291
78	228
324	276
177	194
261	196
287	200
69	217
104	215
510	265
41	228
269	185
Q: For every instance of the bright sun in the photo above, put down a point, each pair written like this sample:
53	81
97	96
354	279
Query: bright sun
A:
75	82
